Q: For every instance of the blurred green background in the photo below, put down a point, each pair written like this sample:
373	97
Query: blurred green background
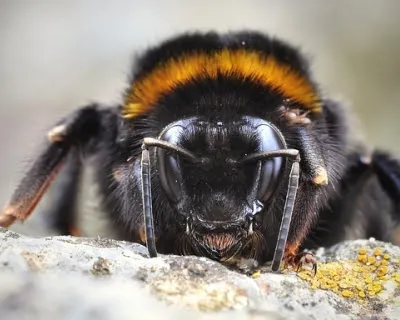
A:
58	55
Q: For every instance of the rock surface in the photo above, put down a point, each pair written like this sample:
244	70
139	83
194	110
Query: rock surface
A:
81	278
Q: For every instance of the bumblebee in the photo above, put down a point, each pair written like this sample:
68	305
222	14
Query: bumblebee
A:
223	146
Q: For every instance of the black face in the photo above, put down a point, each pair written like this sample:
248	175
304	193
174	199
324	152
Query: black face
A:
219	197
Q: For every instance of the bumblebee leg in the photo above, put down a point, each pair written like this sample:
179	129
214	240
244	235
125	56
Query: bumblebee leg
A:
64	195
74	131
387	170
34	185
311	157
378	165
359	174
312	161
292	258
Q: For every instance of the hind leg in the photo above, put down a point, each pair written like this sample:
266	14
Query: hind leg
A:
388	171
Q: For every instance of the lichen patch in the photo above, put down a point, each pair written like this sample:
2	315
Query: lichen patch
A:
362	278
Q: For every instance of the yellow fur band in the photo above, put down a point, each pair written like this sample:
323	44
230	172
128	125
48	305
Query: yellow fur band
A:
239	64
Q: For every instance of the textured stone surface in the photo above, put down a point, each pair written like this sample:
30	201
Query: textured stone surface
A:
80	278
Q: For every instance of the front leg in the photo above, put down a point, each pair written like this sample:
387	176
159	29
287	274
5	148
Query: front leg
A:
74	131
300	227
295	259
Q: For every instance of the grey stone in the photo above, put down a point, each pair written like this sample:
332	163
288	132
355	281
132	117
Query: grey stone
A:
63	277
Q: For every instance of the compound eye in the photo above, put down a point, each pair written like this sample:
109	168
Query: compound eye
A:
272	169
168	165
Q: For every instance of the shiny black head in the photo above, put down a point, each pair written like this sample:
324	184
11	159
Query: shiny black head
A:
215	192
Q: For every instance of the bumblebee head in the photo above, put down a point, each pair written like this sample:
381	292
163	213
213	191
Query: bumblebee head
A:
214	189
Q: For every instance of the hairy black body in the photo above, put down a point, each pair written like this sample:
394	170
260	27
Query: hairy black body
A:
206	208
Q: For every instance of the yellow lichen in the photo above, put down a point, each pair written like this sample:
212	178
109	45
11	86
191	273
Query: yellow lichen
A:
371	260
303	276
396	277
362	251
368	280
382	271
347	293
361	278
362	258
386	256
377	287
